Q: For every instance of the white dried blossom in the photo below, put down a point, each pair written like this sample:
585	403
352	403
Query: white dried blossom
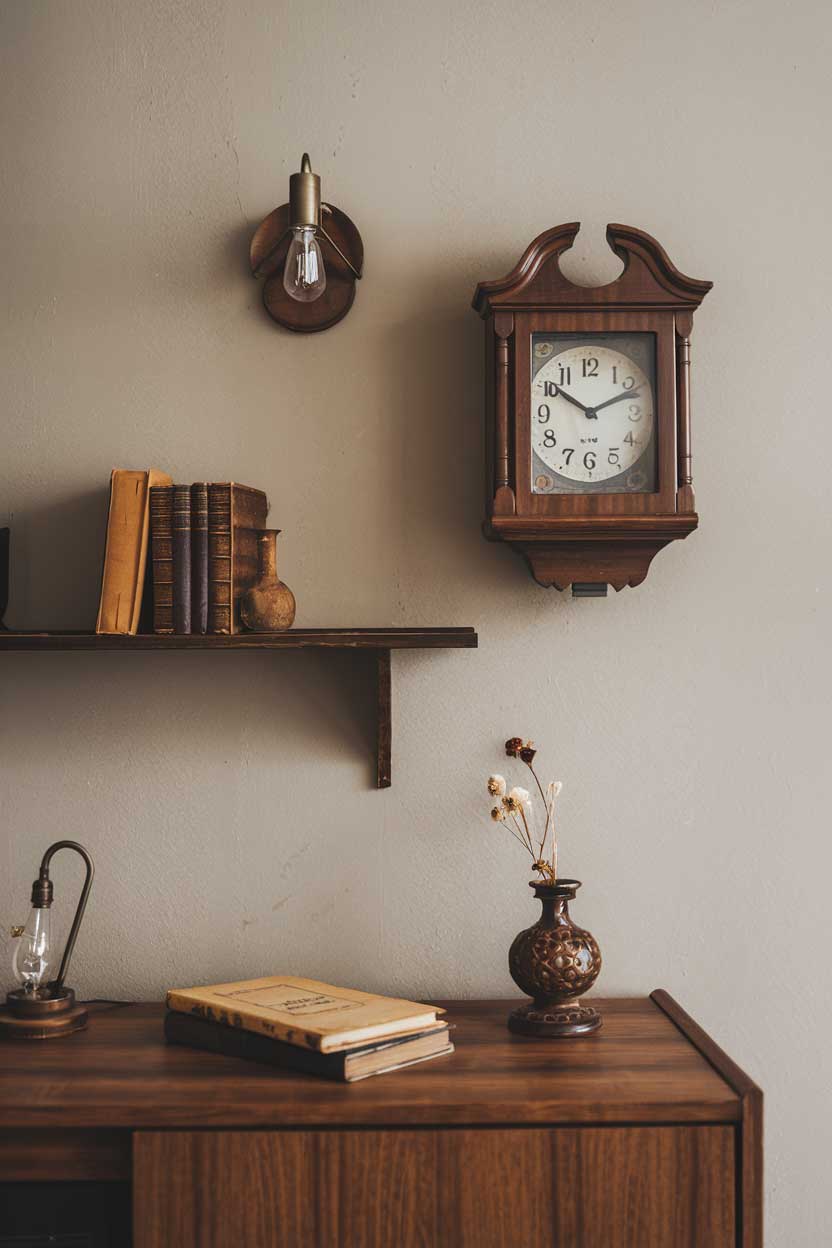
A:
496	786
521	796
555	788
498	814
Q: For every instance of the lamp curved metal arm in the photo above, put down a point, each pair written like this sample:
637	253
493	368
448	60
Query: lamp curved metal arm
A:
57	984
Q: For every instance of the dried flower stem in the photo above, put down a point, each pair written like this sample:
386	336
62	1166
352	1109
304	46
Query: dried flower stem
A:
517	812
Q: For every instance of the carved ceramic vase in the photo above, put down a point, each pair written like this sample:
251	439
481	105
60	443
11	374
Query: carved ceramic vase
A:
269	606
554	962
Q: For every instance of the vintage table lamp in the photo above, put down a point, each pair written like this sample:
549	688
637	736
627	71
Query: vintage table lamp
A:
42	1008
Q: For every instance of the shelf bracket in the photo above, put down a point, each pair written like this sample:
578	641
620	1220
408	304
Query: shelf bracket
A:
384	736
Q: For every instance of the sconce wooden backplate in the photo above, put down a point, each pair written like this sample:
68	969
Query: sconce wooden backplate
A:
336	301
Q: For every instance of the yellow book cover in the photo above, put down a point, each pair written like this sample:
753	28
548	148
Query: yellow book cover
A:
304	1012
125	553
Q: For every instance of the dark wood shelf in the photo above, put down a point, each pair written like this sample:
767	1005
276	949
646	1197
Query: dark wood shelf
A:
378	641
294	639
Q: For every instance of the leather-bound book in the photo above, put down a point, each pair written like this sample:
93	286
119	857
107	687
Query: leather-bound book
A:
125	553
181	558
348	1065
236	513
199	557
161	553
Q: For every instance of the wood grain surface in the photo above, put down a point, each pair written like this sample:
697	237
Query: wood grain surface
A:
614	1187
639	1068
293	639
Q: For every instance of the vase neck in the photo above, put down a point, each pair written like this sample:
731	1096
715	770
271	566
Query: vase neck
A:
555	898
555	907
267	550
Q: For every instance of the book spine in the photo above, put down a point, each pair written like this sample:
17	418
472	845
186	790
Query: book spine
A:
161	549
220	594
182	558
199	557
234	1042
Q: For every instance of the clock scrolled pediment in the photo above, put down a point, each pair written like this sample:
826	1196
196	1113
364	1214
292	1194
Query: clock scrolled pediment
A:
649	278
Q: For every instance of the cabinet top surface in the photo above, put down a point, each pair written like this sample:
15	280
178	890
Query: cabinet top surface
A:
120	1073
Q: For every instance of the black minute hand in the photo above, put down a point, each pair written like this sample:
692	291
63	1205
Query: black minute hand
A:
628	394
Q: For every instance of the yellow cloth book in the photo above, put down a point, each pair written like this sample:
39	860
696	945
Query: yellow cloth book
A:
305	1012
125	554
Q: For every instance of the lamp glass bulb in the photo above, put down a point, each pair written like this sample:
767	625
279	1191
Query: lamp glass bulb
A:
31	958
304	276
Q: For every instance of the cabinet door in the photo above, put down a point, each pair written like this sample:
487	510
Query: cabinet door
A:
644	1187
615	1187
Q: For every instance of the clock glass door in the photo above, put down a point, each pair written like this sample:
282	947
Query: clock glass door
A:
593	413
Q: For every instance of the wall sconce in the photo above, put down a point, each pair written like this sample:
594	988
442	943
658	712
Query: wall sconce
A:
311	254
41	1007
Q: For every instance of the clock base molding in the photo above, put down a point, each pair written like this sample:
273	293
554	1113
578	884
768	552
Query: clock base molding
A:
589	550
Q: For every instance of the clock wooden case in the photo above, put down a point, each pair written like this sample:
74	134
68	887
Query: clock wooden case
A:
588	442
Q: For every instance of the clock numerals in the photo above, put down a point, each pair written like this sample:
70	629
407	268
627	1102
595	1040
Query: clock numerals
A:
591	414
627	383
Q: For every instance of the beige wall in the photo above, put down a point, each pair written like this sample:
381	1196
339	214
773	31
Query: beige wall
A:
227	799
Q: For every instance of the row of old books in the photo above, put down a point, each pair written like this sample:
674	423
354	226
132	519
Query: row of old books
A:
308	1026
178	557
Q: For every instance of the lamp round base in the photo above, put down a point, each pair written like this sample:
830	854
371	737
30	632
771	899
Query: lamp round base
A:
38	1016
555	1021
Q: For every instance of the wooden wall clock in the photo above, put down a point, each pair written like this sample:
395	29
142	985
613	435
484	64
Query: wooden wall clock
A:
588	447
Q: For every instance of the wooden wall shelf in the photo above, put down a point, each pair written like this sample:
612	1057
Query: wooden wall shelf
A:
379	641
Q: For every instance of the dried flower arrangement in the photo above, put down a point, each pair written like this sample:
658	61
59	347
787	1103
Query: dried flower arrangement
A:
517	811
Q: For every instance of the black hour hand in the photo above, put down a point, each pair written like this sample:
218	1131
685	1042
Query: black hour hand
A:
570	399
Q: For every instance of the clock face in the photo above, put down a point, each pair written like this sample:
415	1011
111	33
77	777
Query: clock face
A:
593	413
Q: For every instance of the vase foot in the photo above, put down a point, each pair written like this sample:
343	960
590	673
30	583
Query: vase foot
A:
555	1021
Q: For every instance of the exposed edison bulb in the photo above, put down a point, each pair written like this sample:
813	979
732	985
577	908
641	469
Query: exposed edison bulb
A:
304	276
30	961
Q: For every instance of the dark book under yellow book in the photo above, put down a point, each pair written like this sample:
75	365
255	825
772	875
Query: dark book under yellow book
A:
379	1057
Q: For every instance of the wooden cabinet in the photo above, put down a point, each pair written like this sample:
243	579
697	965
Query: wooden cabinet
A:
643	1136
610	1187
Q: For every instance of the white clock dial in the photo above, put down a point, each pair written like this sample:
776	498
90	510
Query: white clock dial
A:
592	413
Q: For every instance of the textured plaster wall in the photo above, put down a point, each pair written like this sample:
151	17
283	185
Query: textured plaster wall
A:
228	799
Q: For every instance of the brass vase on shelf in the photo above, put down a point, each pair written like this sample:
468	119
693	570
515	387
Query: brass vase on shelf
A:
554	962
269	606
